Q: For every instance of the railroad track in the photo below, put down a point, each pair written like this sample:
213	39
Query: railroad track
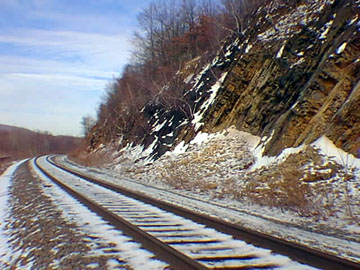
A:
184	239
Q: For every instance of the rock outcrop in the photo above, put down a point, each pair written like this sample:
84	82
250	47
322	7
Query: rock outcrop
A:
297	81
291	77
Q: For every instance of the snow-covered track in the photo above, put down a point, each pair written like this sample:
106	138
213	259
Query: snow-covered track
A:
183	243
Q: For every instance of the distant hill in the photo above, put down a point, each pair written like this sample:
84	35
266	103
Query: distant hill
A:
17	142
12	128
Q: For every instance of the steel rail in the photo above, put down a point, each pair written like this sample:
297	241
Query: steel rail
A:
294	251
163	251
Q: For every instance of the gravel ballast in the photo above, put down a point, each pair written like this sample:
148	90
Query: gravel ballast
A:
41	238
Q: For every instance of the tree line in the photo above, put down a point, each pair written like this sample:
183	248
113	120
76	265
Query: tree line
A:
20	143
171	34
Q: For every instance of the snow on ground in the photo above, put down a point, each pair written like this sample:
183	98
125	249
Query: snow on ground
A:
5	181
89	222
93	192
303	195
328	148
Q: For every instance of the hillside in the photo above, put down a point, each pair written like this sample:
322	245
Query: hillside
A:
8	128
291	76
17	143
270	123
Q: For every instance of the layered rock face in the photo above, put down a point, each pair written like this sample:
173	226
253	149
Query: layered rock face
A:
297	80
291	77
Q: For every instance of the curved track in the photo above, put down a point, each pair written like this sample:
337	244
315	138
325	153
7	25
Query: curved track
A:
176	236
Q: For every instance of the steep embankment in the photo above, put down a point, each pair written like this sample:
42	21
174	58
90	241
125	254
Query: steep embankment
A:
298	79
289	84
291	77
295	80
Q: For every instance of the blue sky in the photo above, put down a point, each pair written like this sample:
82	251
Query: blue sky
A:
57	56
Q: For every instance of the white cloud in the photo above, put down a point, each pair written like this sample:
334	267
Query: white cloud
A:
15	82
104	50
31	100
60	64
56	59
20	64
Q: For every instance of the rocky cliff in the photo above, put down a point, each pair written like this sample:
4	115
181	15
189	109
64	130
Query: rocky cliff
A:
232	136
290	78
297	80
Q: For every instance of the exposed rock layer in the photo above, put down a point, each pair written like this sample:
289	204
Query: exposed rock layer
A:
298	102
292	77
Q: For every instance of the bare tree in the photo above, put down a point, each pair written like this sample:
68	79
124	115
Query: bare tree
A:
241	11
172	32
87	123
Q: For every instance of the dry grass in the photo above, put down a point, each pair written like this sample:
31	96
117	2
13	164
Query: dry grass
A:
306	183
285	185
207	171
94	159
200	170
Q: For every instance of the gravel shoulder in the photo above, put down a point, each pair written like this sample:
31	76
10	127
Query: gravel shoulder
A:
39	235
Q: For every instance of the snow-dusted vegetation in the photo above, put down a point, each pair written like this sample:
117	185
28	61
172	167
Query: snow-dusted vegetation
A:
317	182
267	124
313	190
